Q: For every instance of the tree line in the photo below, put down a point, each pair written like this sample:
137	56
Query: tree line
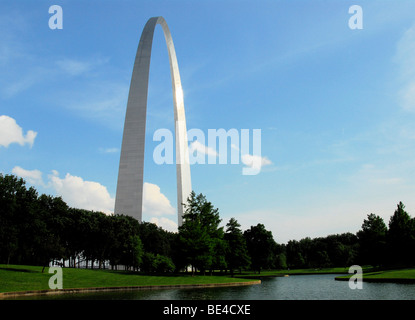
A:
41	229
375	244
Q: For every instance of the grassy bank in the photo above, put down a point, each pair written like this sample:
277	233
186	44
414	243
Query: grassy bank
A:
281	273
369	275
25	278
401	275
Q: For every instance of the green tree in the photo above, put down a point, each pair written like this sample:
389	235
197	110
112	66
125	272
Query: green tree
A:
400	237
280	261
155	239
342	249
196	246
294	255
133	252
51	217
156	263
77	236
372	239
237	255
260	245
126	247
200	237
316	253
9	228
164	264
18	224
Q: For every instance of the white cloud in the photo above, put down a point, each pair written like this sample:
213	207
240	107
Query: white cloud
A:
254	160
199	147
15	87
104	102
109	150
29	76
11	132
155	203
34	177
377	178
75	67
165	223
90	195
79	193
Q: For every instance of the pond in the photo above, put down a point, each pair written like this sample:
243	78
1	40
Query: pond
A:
298	287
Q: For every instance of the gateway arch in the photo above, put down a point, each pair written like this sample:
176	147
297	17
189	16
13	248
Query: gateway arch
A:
129	196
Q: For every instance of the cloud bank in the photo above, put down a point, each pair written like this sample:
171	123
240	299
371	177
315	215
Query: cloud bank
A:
90	195
154	202
77	192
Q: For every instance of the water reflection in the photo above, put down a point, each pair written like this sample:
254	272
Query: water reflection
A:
301	287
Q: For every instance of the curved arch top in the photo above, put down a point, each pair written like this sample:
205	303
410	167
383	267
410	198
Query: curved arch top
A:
129	194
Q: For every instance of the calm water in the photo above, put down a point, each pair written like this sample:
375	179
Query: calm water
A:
301	287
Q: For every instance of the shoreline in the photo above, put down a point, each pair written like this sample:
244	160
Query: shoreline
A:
380	280
11	294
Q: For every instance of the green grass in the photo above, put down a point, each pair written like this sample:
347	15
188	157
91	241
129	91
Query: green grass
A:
316	271
279	273
25	278
400	275
393	274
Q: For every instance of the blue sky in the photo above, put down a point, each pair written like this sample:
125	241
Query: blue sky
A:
336	106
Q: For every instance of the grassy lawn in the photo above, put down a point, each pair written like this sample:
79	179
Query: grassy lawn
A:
279	273
316	271
23	278
387	275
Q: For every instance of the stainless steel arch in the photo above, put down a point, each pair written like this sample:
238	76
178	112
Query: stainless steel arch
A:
129	194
